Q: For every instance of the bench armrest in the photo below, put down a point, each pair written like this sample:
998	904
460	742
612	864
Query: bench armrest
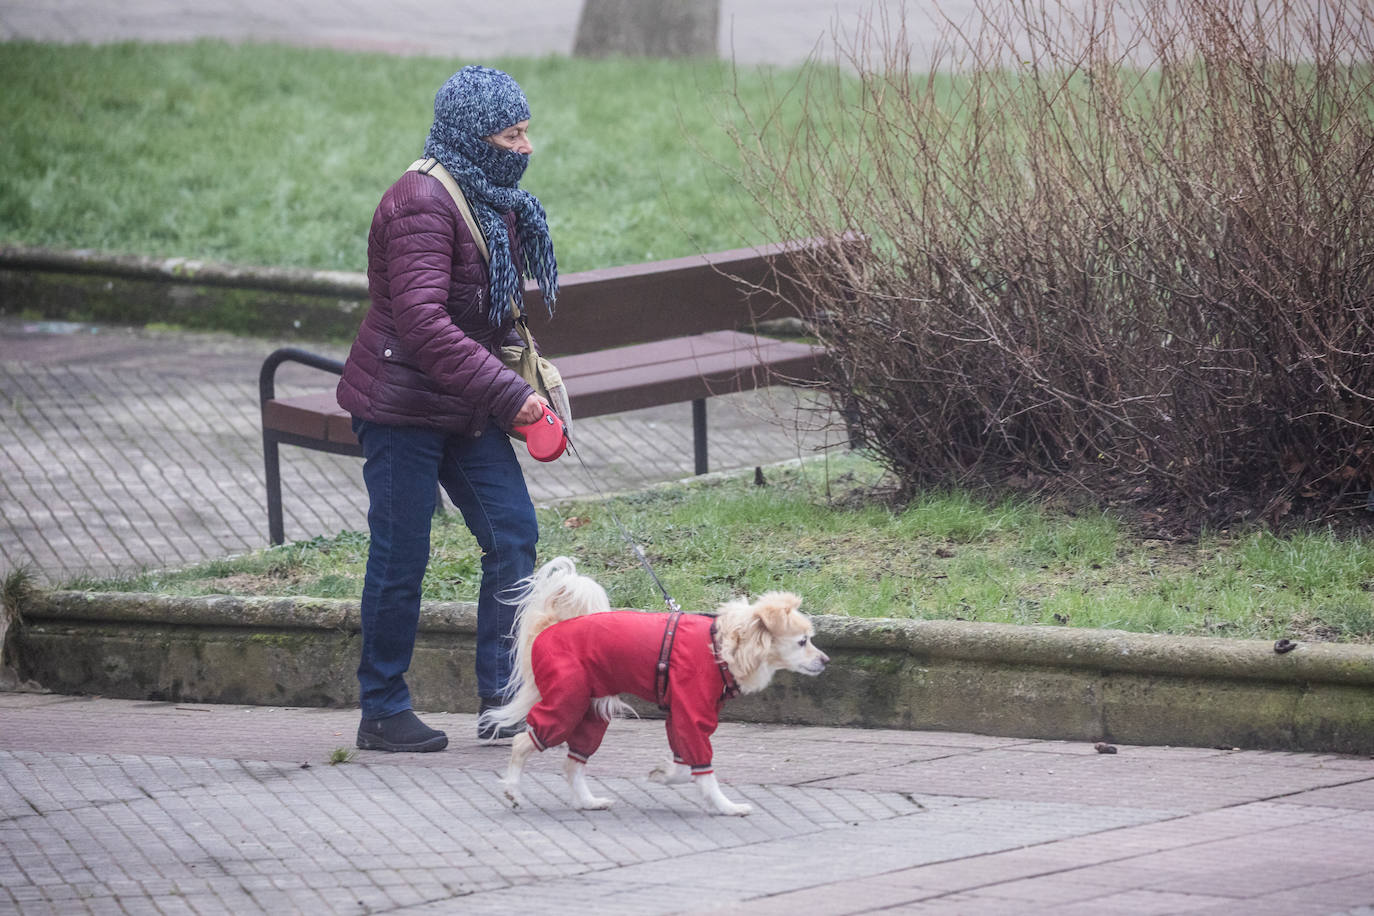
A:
267	384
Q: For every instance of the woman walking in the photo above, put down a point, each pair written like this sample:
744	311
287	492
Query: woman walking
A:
431	401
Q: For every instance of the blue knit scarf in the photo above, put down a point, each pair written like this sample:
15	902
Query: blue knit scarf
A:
475	103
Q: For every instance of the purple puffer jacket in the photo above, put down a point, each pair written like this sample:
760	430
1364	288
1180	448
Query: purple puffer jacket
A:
424	355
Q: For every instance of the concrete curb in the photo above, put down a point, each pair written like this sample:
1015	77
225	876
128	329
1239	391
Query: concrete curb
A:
346	284
83	285
1034	682
1117	650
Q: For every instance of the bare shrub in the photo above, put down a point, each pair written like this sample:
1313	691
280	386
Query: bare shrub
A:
1131	249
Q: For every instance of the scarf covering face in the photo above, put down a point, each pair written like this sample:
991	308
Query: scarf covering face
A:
475	103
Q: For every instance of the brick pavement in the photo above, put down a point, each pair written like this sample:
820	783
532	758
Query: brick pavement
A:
113	806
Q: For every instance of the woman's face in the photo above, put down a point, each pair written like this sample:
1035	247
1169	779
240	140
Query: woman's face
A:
515	138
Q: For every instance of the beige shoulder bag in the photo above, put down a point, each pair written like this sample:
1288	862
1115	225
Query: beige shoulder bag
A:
525	361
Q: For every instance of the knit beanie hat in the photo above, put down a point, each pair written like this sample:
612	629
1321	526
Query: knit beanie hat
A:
473	104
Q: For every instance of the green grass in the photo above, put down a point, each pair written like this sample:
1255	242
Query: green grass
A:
824	531
262	154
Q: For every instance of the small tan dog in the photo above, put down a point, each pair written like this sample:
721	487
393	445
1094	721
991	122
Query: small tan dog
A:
574	655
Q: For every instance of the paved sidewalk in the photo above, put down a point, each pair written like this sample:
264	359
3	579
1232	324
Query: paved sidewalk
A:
110	806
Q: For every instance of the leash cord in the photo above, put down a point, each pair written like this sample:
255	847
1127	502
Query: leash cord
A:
638	551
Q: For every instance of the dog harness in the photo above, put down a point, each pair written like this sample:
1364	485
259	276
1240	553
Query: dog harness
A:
665	654
731	685
668	659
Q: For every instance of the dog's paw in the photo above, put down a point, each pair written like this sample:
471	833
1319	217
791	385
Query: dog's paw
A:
594	803
514	797
730	809
670	774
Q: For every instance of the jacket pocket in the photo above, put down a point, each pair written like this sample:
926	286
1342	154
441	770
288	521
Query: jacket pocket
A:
397	373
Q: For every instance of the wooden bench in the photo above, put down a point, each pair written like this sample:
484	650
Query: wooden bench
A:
624	339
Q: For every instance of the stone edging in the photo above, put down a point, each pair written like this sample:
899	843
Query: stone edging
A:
1105	650
345	284
998	679
90	286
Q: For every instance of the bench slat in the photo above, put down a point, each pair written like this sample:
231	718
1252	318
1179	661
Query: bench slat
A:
654	353
692	368
315	416
608	381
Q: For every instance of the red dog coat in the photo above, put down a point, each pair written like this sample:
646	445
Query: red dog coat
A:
601	655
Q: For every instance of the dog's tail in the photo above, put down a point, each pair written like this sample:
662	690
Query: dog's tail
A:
556	592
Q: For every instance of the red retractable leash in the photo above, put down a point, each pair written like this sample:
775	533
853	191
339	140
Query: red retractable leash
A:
546	438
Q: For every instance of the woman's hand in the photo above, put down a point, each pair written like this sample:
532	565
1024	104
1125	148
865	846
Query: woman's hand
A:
532	410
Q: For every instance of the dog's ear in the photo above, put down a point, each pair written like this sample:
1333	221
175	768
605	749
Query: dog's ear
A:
774	610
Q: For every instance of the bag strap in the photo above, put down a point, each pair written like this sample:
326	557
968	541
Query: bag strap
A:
435	169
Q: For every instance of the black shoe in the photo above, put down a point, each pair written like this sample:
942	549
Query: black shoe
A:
487	731
401	732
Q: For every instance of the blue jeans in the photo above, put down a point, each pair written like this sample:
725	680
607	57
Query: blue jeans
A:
482	476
